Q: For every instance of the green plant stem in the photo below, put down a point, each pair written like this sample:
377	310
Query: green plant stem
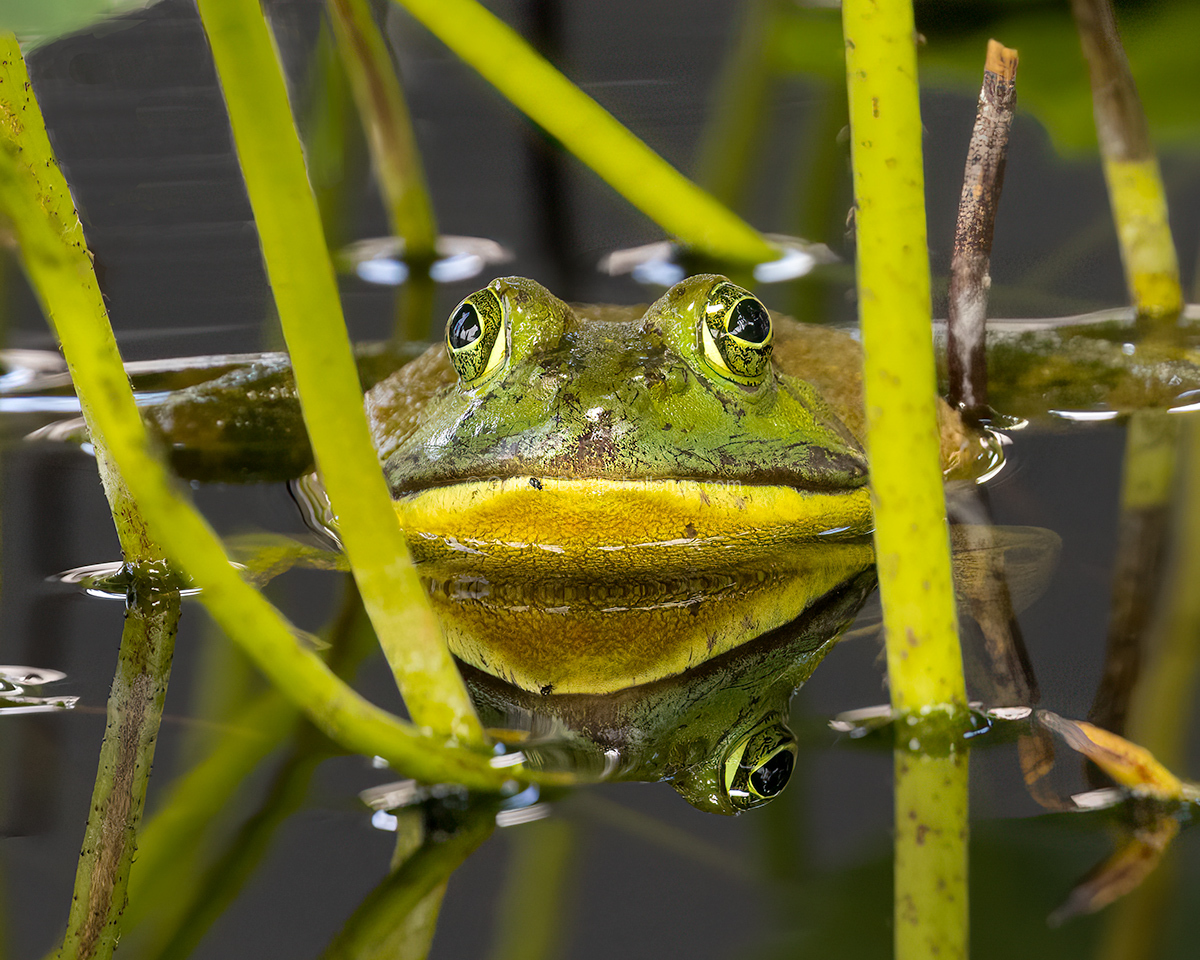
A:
152	616
385	116
377	929
134	712
306	295
532	913
171	839
931	855
59	268
1135	186
924	661
334	142
590	132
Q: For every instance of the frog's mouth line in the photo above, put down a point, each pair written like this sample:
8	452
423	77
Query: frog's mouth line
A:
611	525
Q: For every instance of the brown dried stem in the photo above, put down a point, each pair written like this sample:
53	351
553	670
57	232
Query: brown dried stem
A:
982	181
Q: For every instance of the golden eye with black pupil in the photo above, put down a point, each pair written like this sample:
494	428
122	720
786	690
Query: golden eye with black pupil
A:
760	766
475	336
736	334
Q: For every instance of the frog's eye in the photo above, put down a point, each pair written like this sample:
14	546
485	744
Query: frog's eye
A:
736	334
476	338
760	766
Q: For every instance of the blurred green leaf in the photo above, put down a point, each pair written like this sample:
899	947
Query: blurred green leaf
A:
39	21
1053	82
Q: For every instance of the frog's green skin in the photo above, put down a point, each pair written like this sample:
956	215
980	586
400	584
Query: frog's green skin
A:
619	394
600	441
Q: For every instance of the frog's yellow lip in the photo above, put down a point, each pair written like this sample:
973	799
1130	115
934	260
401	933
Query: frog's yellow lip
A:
600	527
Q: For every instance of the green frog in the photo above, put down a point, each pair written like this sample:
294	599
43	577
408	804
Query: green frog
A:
676	456
609	441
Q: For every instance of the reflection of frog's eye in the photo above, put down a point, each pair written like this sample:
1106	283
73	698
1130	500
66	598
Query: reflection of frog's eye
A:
760	766
475	336
736	334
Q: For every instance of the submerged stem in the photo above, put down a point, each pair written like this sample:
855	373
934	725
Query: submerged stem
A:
134	712
931	855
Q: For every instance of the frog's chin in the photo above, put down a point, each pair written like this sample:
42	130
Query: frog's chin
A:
585	528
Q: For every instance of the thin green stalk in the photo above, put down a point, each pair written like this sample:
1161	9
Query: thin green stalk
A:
532	914
57	263
590	132
733	132
334	143
931	855
134	712
377	929
385	116
1135	186
306	295
911	542
169	843
139	686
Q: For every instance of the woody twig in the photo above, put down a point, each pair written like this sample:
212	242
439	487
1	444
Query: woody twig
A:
982	181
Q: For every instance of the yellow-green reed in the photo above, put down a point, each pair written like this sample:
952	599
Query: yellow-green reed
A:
306	296
590	132
1135	187
924	661
59	268
931	902
913	552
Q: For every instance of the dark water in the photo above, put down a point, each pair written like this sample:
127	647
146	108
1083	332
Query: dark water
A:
138	123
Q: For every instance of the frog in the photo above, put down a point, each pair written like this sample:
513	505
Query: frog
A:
695	449
598	438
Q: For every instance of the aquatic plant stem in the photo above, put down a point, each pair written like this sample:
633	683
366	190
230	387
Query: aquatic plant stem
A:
59	269
306	295
377	929
139	685
1145	526
912	546
590	132
534	907
969	281
384	112
126	755
1135	186
931	855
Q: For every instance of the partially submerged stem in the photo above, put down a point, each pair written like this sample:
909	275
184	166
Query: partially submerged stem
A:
369	933
534	906
134	712
1135	185
1144	528
590	132
386	119
931	855
912	545
310	313
982	182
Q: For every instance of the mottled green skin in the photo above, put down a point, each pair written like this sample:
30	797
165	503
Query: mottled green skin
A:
605	394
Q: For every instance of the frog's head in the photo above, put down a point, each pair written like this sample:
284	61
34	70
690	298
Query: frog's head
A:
584	432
